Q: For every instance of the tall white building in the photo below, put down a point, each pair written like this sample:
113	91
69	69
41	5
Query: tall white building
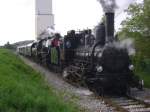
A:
44	17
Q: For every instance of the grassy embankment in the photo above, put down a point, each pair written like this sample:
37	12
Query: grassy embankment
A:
23	90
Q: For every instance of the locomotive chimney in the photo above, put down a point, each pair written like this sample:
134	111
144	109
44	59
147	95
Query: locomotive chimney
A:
109	24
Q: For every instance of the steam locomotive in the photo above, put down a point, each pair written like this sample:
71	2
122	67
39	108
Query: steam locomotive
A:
97	63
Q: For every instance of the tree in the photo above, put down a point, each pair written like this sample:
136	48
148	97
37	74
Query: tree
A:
138	21
8	46
137	26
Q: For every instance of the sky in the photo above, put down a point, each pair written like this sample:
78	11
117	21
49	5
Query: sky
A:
16	20
17	17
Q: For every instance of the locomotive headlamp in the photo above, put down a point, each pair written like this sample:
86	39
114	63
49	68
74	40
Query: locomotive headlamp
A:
100	55
99	68
131	67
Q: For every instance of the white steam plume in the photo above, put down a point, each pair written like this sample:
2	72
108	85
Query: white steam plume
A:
127	44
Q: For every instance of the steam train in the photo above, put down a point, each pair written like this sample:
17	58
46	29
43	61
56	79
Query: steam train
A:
96	62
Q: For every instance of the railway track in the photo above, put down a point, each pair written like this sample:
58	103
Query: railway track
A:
127	104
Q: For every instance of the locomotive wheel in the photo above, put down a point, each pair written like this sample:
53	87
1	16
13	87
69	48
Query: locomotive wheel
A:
99	91
125	91
70	77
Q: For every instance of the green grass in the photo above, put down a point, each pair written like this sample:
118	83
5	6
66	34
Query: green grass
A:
146	77
23	90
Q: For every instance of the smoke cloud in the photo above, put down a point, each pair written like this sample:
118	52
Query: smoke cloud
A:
108	5
127	44
50	31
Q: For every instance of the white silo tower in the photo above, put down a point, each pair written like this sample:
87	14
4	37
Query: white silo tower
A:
44	17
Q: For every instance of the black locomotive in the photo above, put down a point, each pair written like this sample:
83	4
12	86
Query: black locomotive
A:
97	62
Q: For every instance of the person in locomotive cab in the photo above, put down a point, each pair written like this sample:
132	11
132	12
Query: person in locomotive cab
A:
70	40
70	44
89	38
55	50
